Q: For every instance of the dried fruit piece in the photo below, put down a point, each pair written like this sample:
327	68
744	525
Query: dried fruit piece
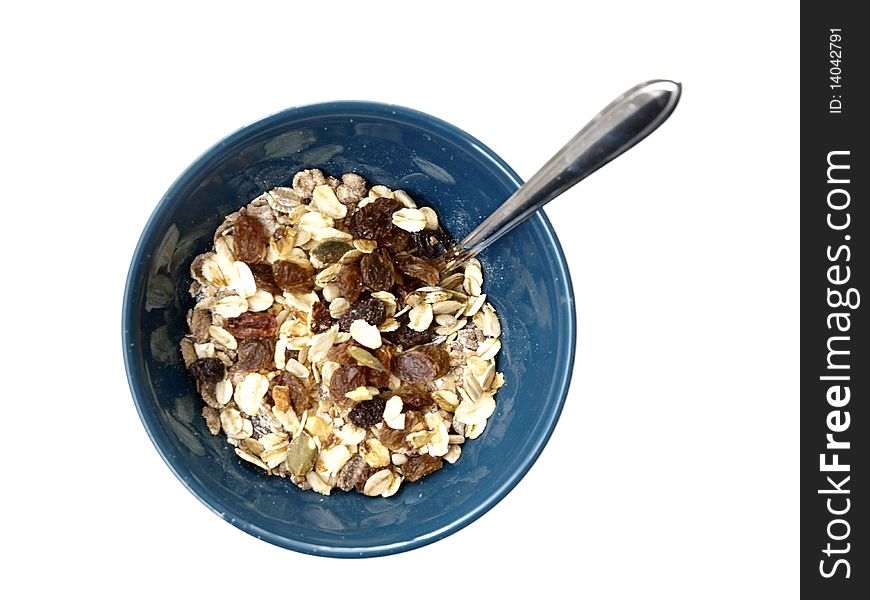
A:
371	310
319	319
251	325
265	278
377	378
377	273
407	337
339	353
293	277
418	467
374	222
301	454
249	239
344	379
350	282
255	354
394	439
432	244
298	394
422	365
367	412
420	268
208	370
414	396
281	397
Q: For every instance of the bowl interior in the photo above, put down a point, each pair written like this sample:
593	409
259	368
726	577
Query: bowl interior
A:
526	279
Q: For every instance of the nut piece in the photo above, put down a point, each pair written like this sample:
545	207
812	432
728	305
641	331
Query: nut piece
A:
375	454
365	334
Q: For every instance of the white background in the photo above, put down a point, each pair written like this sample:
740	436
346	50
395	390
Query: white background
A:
679	438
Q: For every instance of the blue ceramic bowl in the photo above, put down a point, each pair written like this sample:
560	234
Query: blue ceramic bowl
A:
526	279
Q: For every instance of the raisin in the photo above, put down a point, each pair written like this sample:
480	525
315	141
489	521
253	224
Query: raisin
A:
208	370
377	273
350	282
368	412
255	354
338	353
396	240
319	320
375	222
249	239
414	396
344	379
378	378
418	467
432	244
300	399
251	325
394	439
367	375
406	337
265	278
422	365
293	277
371	310
419	268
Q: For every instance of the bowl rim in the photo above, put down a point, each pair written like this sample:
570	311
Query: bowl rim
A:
128	320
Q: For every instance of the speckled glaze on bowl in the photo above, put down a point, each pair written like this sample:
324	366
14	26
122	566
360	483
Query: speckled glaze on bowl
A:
525	278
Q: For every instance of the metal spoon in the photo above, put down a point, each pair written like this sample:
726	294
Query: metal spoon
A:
622	124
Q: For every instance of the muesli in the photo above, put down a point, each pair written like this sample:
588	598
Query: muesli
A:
326	346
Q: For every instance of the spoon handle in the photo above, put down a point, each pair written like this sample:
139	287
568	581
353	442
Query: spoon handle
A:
622	124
